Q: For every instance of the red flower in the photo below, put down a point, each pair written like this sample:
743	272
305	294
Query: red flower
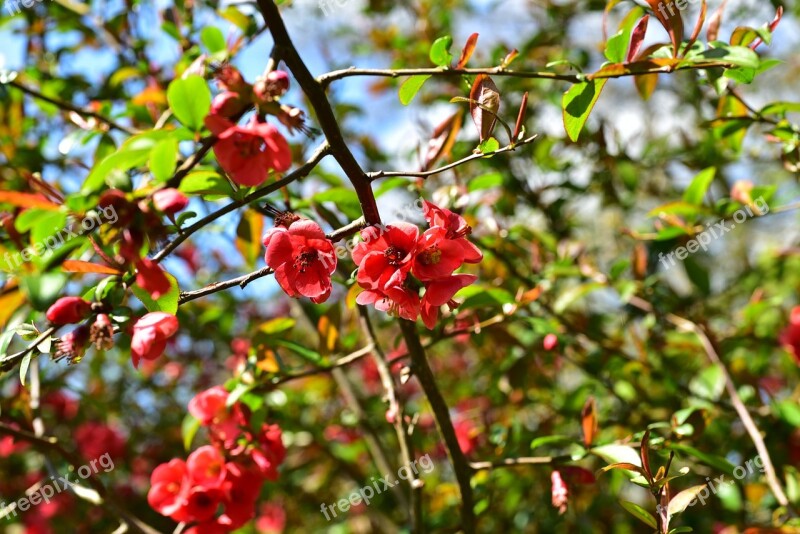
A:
441	292
210	406
68	310
395	300
150	334
202	502
72	345
228	105
248	153
168	489
456	229
243	487
559	492
272	519
437	256
169	200
790	337
152	278
387	254
303	259
96	439
269	452
550	342
206	467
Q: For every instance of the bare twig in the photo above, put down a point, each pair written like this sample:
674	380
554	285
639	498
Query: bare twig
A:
425	174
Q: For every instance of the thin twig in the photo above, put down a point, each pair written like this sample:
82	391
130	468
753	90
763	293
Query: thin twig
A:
8	362
424	174
398	419
70	107
511	462
329	77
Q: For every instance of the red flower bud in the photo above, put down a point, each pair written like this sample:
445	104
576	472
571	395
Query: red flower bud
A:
73	344
68	310
273	86
550	341
150	334
228	105
169	200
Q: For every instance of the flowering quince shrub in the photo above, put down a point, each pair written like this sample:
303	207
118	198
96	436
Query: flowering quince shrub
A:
238	293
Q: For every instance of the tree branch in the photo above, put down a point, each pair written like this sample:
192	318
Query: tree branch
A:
315	93
441	413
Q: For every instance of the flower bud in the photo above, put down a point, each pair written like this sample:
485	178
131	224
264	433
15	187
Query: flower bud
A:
228	105
68	310
72	345
169	200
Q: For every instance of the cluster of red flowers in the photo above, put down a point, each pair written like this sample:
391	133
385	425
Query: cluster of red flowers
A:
228	473
386	260
248	153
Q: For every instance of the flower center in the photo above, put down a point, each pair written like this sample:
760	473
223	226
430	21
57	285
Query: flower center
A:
430	256
467	230
394	255
305	259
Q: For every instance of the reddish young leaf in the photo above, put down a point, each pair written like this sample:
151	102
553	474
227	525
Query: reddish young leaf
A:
644	452
467	51
77	266
484	105
589	421
637	37
577	475
645	85
26	200
444	137
511	56
523	109
772	25
713	23
670	17
701	19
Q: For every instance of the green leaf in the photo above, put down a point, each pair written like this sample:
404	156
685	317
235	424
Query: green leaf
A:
164	159
741	56
551	440
577	104
617	47
718	463
205	183
190	100
213	39
189	428
307	354
639	513
615	454
410	88
133	153
44	289
440	51
486	181
709	384
696	191
681	501
277	325
167	303
573	294
23	367
490	145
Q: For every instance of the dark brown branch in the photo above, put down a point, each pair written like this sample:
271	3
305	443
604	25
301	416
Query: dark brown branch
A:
315	92
441	413
69	107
